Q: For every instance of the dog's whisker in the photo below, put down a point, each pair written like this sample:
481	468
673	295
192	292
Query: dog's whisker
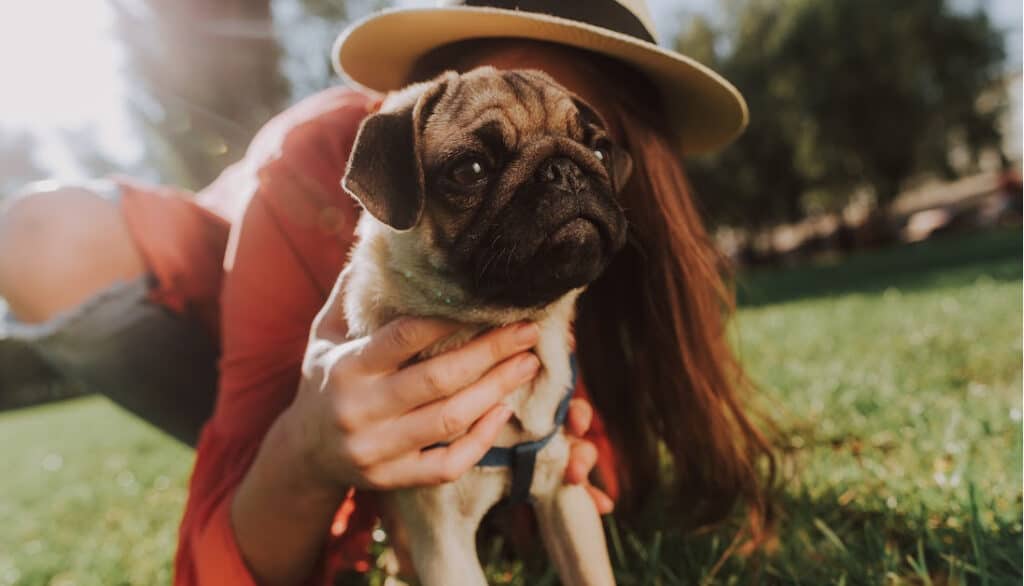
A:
495	253
508	262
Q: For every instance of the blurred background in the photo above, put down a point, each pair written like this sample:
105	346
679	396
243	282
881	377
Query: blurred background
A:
873	208
863	113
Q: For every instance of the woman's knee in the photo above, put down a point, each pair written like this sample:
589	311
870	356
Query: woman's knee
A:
60	246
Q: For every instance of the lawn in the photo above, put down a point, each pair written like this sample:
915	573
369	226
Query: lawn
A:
894	380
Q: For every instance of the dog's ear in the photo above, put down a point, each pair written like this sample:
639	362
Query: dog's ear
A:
621	161
385	173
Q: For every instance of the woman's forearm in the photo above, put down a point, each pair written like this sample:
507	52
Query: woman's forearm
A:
281	516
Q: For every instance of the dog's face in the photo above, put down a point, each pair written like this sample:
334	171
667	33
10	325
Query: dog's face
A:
504	175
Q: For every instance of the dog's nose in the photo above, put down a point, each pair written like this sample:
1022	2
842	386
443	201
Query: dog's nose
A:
561	172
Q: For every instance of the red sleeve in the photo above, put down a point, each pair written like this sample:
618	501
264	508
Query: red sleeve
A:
282	259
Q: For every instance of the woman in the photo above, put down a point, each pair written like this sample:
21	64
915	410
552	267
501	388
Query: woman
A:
283	483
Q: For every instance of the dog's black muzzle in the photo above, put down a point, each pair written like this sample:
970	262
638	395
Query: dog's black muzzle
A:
557	233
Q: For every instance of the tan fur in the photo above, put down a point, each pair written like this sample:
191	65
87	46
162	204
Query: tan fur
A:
392	274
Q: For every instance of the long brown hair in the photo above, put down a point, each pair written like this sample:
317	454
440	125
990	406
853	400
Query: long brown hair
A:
651	336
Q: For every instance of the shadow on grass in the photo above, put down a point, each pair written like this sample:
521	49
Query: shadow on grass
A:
948	261
821	540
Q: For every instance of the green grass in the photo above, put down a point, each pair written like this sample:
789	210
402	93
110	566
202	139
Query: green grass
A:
899	404
89	496
894	379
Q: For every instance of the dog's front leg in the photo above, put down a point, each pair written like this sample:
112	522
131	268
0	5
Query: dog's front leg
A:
442	522
446	555
570	524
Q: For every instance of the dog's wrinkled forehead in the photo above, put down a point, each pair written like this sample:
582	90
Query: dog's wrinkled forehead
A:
512	106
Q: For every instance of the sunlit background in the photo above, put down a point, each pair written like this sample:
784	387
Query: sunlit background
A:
63	73
71	105
873	209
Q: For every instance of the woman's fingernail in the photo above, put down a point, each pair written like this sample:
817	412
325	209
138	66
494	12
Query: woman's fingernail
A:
527	367
609	505
527	333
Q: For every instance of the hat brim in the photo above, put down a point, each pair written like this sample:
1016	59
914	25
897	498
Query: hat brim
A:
705	111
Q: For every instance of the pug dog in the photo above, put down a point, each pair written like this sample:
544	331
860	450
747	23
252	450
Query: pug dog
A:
489	198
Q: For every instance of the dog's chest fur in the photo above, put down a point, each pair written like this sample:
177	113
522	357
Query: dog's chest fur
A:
389	276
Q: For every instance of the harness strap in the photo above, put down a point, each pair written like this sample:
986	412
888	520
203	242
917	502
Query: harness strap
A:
521	458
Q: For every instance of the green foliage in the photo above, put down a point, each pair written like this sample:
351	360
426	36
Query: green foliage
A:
846	96
896	398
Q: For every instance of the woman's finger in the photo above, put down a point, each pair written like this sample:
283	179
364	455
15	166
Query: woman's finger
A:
602	501
447	373
582	457
401	340
579	418
443	464
450	418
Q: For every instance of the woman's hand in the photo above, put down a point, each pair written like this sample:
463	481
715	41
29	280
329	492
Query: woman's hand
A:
583	454
361	419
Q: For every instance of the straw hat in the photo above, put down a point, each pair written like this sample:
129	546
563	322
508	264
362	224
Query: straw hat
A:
706	112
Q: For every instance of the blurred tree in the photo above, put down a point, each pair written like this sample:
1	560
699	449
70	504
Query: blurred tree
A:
211	73
17	164
845	96
307	29
93	161
208	77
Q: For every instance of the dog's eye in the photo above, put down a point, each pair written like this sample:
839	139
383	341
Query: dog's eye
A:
469	172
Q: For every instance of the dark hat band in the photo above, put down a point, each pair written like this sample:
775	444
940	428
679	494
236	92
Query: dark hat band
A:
607	14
